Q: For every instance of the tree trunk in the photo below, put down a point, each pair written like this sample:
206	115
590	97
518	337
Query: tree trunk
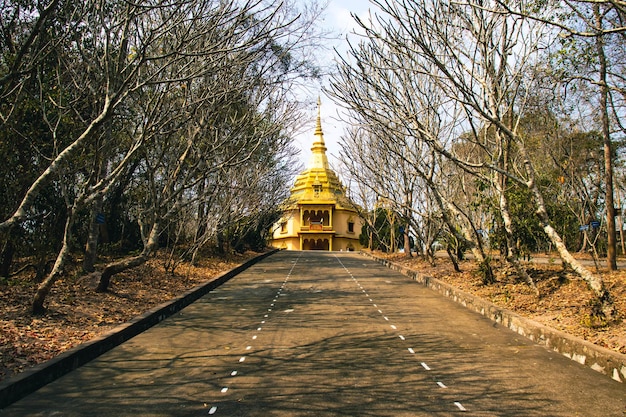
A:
471	239
595	282
91	248
392	231
453	258
127	263
6	257
608	154
46	285
620	222
583	246
468	235
511	251
407	242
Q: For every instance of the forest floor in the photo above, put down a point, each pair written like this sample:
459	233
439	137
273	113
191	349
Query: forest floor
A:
76	313
564	302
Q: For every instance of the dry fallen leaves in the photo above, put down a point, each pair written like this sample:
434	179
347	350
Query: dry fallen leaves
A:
563	303
76	313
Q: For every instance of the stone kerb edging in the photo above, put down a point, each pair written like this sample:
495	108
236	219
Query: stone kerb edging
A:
27	382
598	358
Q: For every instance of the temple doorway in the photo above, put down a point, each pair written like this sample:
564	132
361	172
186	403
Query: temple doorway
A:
316	244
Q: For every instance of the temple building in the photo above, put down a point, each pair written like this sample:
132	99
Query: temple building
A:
318	215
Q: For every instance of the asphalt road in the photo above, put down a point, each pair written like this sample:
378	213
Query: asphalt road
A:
327	334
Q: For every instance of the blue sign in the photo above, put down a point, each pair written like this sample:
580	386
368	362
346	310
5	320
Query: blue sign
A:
100	218
595	224
583	227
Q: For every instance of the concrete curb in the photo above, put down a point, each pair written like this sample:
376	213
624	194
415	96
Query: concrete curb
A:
605	361
31	380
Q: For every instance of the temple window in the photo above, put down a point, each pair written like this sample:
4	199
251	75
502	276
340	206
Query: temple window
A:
283	227
317	189
350	227
316	221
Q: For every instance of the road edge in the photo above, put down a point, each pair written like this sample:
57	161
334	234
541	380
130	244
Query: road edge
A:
17	387
598	358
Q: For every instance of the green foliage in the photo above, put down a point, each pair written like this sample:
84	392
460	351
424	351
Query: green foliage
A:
381	232
251	233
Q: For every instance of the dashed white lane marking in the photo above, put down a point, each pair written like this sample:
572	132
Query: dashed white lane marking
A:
424	365
460	406
213	409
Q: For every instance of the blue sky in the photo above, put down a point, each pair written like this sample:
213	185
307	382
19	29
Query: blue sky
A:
338	19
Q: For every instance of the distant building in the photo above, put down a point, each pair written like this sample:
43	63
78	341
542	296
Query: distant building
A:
318	215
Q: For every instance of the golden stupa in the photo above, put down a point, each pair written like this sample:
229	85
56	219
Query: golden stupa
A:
318	215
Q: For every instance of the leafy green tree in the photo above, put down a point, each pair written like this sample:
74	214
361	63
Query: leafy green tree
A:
384	234
590	57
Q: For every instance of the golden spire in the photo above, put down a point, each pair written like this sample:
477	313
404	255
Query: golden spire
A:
318	125
318	151
318	175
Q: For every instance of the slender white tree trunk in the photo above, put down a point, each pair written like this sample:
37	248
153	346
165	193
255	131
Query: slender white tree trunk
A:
57	270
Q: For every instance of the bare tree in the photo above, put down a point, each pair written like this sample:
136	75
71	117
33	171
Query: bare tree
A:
393	155
225	137
478	58
165	69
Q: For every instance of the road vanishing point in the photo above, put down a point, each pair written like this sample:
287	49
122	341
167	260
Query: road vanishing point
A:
326	334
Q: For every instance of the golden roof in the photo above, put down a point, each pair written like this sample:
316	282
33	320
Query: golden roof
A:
317	184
